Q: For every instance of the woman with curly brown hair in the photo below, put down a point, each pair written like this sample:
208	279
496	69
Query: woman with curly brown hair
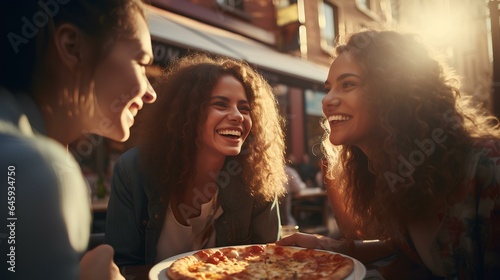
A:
209	167
410	161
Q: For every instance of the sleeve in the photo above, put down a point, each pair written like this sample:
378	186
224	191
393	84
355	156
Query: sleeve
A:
488	214
48	222
266	222
123	229
295	183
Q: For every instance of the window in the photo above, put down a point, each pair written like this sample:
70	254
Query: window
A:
284	3
235	4
313	131
328	25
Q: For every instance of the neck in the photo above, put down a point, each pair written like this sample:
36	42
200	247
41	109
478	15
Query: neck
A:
57	93
200	189
62	121
207	170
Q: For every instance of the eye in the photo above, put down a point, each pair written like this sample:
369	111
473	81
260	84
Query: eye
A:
347	84
327	90
219	104
245	109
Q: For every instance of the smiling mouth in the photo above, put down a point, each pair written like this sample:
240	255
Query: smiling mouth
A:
235	134
338	118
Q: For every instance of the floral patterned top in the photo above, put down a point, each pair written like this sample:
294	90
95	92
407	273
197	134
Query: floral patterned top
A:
467	243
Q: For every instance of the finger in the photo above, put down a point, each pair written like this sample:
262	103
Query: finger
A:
288	241
115	272
301	240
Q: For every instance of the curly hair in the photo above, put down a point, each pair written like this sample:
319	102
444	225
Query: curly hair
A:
426	130
168	146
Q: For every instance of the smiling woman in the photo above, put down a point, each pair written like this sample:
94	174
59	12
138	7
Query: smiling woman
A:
68	68
208	169
409	161
227	101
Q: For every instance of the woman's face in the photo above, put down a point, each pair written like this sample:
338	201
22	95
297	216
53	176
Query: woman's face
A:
228	121
121	85
349	114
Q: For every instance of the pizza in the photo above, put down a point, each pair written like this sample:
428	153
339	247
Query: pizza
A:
271	262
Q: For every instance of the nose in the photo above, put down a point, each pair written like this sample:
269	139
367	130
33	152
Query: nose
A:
150	95
235	115
330	99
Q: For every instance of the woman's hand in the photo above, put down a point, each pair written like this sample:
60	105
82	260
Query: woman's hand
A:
314	241
98	264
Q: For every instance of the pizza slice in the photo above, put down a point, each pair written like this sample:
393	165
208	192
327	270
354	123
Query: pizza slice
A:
225	263
280	263
297	263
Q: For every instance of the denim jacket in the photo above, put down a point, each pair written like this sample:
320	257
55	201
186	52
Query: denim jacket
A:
136	213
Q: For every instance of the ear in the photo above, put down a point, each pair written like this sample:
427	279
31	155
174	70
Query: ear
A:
70	44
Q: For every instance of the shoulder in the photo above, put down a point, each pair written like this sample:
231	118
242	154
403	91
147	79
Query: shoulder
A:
129	179
482	172
39	155
129	158
127	164
484	155
48	179
291	172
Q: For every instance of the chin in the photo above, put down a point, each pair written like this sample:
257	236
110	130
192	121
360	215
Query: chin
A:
335	142
233	152
120	135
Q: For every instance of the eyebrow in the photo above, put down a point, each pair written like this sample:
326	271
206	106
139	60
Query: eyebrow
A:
343	76
227	99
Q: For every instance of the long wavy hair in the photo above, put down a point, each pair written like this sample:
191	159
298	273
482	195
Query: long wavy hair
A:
168	146
426	131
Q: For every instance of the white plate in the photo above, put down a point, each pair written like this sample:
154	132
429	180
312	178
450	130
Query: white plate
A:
159	271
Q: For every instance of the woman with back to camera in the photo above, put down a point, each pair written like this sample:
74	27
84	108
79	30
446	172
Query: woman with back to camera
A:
410	161
67	68
208	169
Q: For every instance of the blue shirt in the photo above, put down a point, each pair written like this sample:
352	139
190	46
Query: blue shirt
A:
45	204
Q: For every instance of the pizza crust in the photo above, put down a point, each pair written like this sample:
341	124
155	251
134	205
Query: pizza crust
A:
180	269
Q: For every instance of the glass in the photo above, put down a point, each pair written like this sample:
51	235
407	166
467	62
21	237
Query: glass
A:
287	230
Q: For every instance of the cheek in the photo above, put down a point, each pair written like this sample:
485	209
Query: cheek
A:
248	124
120	91
370	123
109	100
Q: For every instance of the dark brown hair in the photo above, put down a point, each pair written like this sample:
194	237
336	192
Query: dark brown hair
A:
26	28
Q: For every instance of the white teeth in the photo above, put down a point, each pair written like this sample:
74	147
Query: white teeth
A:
229	132
338	118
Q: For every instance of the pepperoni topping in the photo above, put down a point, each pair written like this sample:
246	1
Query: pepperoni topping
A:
252	251
279	251
256	249
300	256
213	260
202	255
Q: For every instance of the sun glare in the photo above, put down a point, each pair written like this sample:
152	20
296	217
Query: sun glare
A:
439	23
